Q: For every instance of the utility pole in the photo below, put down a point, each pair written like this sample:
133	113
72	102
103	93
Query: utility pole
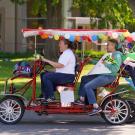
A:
66	12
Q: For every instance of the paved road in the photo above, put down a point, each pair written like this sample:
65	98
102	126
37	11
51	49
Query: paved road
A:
31	124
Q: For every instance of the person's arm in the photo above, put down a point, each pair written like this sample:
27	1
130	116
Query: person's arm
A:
54	64
115	66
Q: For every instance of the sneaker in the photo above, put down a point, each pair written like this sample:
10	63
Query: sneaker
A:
95	111
79	102
52	99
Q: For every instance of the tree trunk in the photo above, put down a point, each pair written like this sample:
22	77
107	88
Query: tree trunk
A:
54	20
132	4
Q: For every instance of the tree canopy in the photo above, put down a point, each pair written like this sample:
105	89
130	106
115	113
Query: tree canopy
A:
115	12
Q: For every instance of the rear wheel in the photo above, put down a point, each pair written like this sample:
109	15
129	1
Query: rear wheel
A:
11	110
131	119
132	114
115	111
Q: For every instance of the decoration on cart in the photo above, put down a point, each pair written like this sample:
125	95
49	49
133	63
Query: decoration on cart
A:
80	35
22	68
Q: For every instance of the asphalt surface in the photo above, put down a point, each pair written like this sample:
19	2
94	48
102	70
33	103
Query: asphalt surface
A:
32	124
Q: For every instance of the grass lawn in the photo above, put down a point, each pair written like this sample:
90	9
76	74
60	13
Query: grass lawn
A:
6	68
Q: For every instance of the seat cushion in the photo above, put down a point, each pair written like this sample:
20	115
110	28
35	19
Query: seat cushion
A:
67	85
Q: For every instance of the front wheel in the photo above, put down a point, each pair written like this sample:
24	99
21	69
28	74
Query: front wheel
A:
11	110
115	111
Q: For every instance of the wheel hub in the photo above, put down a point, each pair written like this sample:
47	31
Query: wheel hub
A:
116	111
9	110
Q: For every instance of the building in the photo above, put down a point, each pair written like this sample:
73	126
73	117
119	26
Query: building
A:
11	22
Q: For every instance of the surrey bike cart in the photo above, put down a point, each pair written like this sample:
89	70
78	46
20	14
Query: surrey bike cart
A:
13	103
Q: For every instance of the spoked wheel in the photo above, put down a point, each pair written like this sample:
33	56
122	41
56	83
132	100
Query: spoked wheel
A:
131	118
11	110
115	111
132	114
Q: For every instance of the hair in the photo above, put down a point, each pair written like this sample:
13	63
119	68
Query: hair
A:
74	45
69	43
115	42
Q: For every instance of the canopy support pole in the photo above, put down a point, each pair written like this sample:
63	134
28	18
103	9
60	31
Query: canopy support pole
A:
35	45
83	48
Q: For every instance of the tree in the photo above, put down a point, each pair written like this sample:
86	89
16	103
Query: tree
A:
50	9
115	12
131	25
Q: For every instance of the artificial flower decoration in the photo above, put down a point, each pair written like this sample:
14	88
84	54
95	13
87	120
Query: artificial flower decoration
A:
67	36
56	37
126	34
77	38
129	39
94	38
72	38
44	36
114	35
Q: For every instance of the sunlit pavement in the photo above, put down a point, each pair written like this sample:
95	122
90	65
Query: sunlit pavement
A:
32	124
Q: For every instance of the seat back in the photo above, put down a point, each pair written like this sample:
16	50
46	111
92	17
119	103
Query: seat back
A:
79	68
115	83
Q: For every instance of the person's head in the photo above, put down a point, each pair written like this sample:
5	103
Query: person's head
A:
64	44
112	45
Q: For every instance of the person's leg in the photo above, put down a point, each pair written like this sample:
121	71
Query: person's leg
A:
84	80
99	81
47	85
42	83
81	91
53	79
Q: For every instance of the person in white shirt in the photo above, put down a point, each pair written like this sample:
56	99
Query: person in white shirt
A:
65	71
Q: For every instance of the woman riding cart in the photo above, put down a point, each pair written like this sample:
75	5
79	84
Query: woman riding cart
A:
65	71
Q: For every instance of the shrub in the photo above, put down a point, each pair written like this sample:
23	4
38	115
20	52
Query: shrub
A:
4	55
91	53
